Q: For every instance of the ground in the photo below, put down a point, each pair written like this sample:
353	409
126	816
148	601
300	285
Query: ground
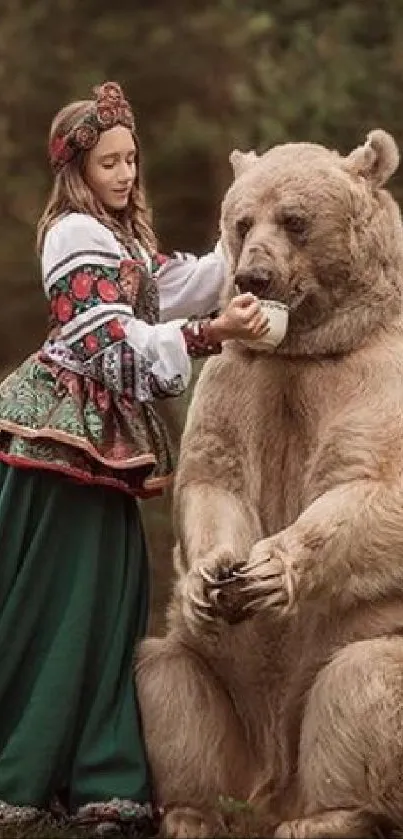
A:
246	827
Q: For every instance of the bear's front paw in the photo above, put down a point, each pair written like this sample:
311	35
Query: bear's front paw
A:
212	590
269	579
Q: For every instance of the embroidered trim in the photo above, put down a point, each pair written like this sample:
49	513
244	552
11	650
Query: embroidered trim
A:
150	487
143	390
198	342
79	443
112	369
14	814
90	321
86	305
59	353
91	336
117	810
167	388
83	255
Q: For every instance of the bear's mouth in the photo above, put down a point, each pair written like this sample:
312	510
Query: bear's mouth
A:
255	283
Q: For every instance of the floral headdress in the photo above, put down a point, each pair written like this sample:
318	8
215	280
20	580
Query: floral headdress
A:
110	109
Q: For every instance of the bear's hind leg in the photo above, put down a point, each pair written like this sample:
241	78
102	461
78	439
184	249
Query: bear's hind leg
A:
196	746
351	747
332	823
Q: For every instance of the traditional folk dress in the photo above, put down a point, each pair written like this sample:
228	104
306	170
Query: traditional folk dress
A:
80	440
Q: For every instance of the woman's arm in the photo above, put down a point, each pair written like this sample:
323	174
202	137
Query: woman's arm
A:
190	286
96	328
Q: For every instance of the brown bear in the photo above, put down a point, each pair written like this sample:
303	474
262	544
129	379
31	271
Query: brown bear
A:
280	679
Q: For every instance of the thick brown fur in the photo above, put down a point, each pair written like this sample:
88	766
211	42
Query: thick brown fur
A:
286	691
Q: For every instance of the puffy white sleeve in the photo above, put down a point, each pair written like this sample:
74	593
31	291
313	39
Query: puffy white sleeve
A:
163	348
190	286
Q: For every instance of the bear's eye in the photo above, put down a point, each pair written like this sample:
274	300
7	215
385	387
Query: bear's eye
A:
294	223
243	226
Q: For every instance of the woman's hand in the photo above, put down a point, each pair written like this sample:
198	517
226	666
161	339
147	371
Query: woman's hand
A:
243	318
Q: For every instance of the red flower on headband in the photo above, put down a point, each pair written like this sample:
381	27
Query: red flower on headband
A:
110	91
57	146
109	109
107	115
86	136
60	151
112	107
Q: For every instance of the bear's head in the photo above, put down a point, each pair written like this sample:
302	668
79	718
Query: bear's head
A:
315	230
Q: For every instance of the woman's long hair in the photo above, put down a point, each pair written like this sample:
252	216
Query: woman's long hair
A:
70	193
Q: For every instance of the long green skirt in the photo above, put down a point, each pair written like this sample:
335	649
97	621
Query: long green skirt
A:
73	603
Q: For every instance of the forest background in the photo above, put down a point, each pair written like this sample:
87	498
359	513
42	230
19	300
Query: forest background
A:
203	77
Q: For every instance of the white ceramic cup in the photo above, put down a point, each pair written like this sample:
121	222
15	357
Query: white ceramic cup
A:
277	314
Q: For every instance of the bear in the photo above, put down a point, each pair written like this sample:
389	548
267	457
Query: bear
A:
279	682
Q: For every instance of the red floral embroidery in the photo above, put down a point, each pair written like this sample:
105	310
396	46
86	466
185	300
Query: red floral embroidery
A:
198	340
161	259
99	395
107	291
63	308
81	285
91	343
115	329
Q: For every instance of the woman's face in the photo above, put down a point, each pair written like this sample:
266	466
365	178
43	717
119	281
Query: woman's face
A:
110	167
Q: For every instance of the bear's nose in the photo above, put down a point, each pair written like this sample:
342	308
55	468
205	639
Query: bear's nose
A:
256	282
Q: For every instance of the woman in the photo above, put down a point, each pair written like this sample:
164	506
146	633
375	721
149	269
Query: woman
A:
80	441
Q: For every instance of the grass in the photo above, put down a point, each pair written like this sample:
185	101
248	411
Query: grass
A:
50	830
41	832
236	818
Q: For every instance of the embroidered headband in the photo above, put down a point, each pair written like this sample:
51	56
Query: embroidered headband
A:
110	109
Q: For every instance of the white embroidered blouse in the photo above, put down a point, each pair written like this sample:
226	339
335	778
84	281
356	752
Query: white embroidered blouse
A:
98	334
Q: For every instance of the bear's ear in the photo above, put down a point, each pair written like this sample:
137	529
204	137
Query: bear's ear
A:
376	160
241	161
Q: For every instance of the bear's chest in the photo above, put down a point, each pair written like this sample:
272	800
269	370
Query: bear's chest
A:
285	454
286	412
